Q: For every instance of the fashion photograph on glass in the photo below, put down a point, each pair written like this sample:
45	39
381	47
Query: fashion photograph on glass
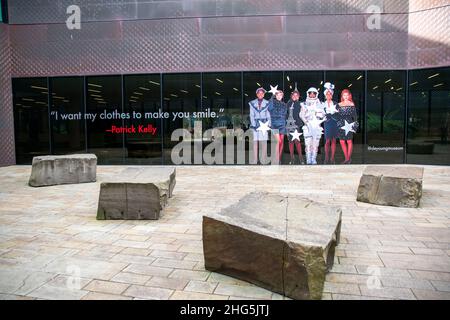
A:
278	111
312	115
293	127
347	124
259	115
330	124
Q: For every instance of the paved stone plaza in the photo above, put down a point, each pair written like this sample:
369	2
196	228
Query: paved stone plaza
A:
52	247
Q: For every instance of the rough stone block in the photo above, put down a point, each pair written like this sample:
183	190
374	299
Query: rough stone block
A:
66	169
136	194
283	243
391	186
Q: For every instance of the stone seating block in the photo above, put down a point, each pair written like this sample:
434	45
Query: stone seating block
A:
136	194
283	243
65	169
391	186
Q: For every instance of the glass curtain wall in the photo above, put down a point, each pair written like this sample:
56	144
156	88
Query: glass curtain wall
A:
385	117
222	106
142	101
181	101
67	115
31	118
403	116
429	117
104	118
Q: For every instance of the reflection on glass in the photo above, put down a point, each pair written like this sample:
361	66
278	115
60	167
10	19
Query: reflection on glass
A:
67	102
222	94
31	125
181	98
143	103
304	81
104	102
429	117
385	116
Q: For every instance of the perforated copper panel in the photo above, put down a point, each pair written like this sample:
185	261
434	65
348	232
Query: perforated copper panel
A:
219	35
54	11
429	38
416	5
7	151
210	44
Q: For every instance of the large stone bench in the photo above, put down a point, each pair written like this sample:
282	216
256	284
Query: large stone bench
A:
391	186
282	243
65	169
136	193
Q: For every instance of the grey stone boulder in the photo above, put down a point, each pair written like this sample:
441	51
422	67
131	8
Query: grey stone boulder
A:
391	186
64	169
136	193
283	243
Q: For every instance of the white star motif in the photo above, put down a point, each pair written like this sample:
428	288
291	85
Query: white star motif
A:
273	90
332	109
295	135
263	126
348	127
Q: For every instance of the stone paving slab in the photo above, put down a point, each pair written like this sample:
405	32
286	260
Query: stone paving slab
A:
52	247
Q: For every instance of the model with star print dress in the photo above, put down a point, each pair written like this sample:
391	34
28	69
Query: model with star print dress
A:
347	124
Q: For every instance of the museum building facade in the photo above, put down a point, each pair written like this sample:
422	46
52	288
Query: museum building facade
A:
134	72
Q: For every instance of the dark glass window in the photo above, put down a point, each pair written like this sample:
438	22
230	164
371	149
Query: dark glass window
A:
100	110
304	80
353	81
181	98
222	94
385	116
143	103
104	101
67	115
429	117
31	124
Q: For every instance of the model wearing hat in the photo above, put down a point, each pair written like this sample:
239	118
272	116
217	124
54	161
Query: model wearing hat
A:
330	125
312	114
259	113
